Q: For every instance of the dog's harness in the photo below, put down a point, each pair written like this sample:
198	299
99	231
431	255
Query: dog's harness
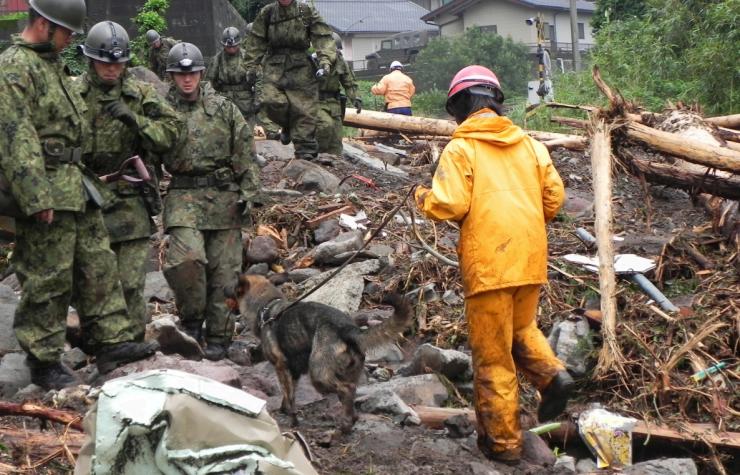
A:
266	315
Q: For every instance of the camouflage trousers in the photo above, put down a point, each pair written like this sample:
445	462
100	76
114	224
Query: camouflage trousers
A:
132	259
198	266
270	127
329	127
294	110
68	262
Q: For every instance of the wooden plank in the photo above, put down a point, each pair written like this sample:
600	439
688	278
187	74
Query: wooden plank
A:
314	223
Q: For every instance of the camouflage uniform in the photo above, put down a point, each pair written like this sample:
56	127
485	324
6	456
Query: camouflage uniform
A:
228	76
111	142
69	260
331	110
279	41
211	172
272	130
158	57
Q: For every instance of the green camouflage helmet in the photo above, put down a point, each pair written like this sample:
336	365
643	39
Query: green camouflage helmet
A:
185	58
107	42
337	39
231	37
69	14
151	37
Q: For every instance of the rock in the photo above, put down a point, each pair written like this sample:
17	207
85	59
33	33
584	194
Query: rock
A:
381	374
157	288
344	291
429	292
326	231
144	74
221	371
379	250
300	275
345	242
262	249
673	466
30	392
242	350
12	282
536	451
8	295
477	468
387	353
274	150
440	447
586	466
572	343
577	204
261	379
356	154
259	269
565	463
311	177
424	390
459	426
450	297
455	365
171	340
8	342
74	358
14	374
385	401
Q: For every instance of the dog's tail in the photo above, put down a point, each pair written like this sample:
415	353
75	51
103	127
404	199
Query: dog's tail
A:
389	329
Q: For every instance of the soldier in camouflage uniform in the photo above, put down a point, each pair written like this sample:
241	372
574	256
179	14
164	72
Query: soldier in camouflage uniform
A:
214	181
128	118
281	35
227	74
62	253
271	129
331	108
159	48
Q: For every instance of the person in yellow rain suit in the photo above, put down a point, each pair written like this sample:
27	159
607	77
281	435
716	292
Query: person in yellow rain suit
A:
502	188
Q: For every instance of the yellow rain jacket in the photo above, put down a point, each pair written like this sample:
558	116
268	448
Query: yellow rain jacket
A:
502	187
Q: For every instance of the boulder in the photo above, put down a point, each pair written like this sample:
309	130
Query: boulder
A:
14	374
344	291
326	231
385	401
455	365
572	343
157	288
459	426
171	340
423	390
345	242
309	176
536	451
262	249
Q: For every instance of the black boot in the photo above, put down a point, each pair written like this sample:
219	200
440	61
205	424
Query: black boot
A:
113	356
285	137
194	329
555	397
52	376
216	351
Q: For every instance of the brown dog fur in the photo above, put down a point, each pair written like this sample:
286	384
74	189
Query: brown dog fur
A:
314	338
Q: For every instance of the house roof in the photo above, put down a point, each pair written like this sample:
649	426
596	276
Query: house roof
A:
368	16
457	6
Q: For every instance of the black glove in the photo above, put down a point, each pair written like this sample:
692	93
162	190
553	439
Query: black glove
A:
122	112
251	77
358	105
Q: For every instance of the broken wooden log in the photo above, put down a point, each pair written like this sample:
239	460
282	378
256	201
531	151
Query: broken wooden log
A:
692	151
384	121
71	419
727	121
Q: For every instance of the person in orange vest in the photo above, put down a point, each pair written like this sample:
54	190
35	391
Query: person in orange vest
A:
500	185
398	90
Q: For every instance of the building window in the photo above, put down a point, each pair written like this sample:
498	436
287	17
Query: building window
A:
581	31
489	29
549	31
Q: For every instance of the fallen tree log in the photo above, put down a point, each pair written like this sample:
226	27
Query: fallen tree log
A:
728	121
36	449
33	410
386	122
677	177
711	156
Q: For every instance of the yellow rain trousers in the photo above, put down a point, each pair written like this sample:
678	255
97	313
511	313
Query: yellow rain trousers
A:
504	337
502	188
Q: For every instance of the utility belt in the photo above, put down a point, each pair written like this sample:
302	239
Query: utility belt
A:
276	51
233	87
221	177
324	95
57	153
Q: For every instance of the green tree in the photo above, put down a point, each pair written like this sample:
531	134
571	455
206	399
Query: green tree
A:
438	62
151	16
617	10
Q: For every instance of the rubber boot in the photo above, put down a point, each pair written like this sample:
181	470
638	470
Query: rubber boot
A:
285	136
113	356
555	397
508	457
53	376
215	351
194	329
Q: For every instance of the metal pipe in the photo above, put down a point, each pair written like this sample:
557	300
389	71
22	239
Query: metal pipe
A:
653	292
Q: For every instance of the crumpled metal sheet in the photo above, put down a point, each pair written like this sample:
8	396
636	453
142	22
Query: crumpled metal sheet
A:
170	422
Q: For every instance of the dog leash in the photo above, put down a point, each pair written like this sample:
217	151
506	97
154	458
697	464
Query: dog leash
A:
350	258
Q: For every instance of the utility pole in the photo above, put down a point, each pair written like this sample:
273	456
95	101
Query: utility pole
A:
574	36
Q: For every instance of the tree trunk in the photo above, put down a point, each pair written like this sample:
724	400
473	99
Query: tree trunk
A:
32	410
398	123
728	121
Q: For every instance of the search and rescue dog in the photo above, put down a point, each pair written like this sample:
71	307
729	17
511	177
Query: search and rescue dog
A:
313	338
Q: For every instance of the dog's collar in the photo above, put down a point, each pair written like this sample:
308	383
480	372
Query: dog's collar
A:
266	315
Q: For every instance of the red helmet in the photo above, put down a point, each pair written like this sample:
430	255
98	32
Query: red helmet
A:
475	75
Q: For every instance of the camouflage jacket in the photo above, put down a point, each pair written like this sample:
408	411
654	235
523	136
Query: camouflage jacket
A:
341	75
280	39
228	72
158	57
111	142
214	166
43	126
